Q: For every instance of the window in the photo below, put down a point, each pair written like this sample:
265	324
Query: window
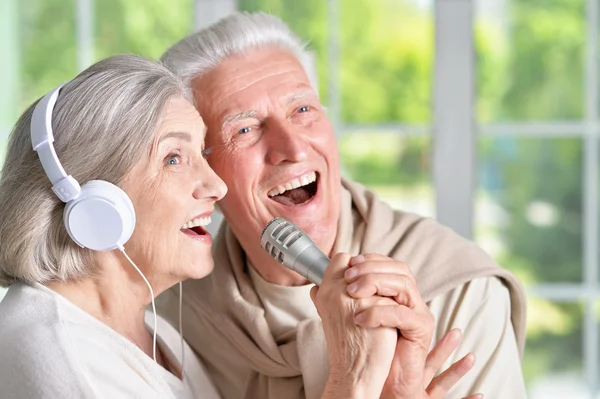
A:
536	115
537	198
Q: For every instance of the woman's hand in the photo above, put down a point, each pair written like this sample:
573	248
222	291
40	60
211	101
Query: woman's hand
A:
359	358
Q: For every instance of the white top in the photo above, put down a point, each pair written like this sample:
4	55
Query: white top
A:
51	348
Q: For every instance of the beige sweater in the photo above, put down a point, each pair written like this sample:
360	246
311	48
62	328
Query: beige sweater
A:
229	323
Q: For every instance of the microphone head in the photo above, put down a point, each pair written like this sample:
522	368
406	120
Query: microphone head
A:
289	245
284	241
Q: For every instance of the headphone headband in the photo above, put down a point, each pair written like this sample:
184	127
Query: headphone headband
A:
65	187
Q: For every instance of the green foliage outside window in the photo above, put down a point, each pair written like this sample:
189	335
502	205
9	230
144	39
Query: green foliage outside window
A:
531	69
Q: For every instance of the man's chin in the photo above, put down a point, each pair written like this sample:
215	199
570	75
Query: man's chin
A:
322	234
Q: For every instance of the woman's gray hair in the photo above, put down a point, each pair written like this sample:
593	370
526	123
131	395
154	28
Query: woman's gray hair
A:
104	122
200	52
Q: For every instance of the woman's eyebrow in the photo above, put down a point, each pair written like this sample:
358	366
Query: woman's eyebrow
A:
181	135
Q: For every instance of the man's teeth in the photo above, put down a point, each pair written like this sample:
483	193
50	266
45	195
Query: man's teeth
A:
197	222
295	183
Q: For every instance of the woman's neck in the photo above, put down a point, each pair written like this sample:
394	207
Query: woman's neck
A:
116	295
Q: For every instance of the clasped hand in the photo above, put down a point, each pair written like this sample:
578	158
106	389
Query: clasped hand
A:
379	331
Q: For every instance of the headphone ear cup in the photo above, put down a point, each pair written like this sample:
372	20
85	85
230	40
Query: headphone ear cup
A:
101	218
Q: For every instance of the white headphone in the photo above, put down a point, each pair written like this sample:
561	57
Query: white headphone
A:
99	215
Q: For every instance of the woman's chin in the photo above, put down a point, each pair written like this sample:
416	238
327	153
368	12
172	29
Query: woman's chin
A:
200	268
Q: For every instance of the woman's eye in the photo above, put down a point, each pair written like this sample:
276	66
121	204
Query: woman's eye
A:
244	130
305	108
173	159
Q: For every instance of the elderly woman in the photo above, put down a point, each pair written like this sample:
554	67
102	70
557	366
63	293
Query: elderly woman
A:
73	323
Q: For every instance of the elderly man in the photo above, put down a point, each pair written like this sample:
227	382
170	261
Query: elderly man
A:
252	321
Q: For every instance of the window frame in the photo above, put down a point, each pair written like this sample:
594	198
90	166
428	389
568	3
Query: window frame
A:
454	127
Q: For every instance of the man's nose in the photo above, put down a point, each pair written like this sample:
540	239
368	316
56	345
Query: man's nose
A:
287	143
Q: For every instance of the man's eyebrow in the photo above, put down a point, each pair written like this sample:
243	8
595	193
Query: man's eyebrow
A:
181	135
296	96
239	116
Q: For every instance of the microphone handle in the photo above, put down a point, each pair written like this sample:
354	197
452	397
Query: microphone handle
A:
311	264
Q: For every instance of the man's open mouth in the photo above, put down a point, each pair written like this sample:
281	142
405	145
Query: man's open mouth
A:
297	191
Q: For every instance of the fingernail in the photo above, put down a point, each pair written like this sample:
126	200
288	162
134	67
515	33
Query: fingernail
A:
456	332
357	259
471	357
351	273
352	287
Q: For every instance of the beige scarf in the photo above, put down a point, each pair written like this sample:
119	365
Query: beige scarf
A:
231	317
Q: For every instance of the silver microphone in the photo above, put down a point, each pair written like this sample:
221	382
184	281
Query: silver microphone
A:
290	246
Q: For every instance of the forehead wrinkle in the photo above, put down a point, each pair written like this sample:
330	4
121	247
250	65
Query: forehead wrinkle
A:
178	135
253	114
253	81
260	69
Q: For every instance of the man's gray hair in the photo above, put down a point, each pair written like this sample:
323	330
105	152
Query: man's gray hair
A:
104	122
200	52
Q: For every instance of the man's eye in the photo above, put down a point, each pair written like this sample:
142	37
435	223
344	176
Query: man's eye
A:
305	108
244	130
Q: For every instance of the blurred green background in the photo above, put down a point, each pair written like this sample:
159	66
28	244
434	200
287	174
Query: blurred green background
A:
530	67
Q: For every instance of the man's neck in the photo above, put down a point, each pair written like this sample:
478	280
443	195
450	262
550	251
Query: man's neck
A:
276	273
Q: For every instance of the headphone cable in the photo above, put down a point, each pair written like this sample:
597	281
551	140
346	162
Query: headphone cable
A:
122	249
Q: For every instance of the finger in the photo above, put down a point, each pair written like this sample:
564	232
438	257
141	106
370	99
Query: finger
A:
441	384
384	266
370	256
411	323
335	270
442	351
313	293
401	288
474	396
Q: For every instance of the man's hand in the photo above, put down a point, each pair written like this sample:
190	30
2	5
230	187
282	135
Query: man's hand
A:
359	358
438	387
413	369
